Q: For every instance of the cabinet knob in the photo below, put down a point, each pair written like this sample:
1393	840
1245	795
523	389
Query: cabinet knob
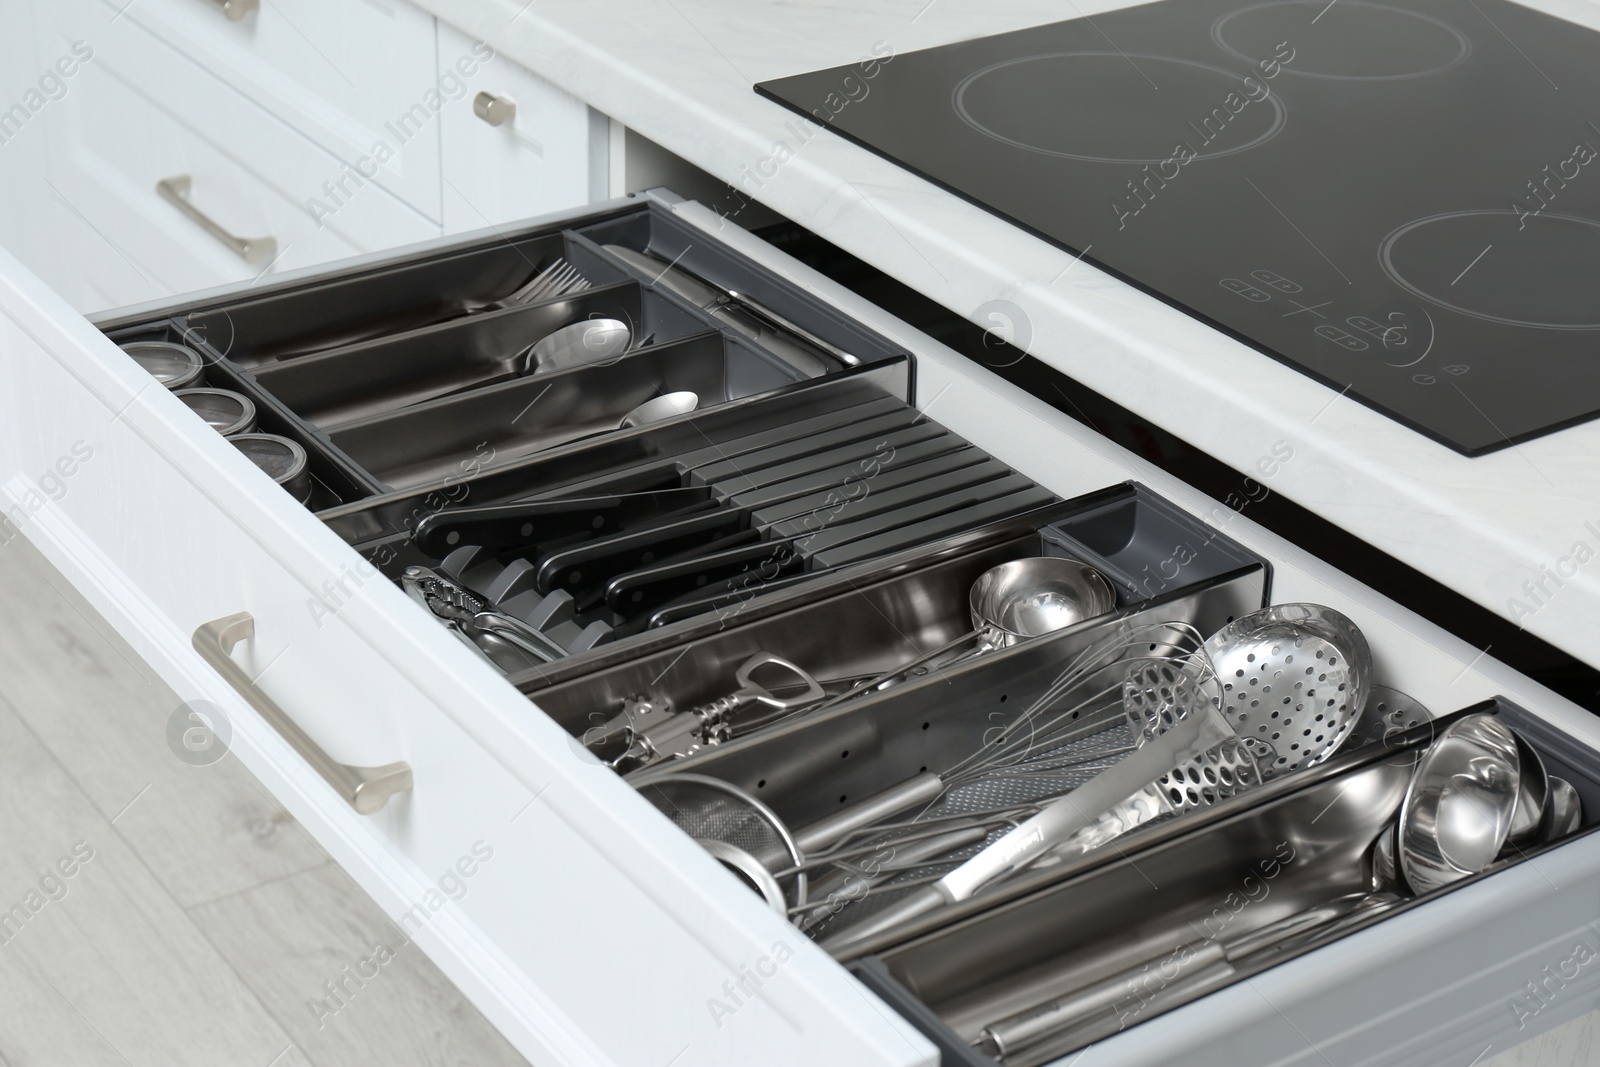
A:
234	10
495	110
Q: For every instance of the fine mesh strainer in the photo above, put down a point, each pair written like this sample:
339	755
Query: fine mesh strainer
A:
736	828
1294	681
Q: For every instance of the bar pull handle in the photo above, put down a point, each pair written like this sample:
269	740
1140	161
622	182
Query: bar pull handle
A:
175	191
234	10
367	789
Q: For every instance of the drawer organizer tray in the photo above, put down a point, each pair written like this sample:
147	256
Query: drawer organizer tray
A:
806	516
1134	918
335	479
710	530
426	369
855	626
1120	934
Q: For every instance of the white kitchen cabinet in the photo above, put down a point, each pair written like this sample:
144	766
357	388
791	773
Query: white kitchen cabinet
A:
164	178
591	931
56	240
357	77
122	100
113	151
514	145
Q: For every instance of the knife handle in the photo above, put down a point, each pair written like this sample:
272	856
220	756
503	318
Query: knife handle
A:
501	526
646	589
593	562
778	322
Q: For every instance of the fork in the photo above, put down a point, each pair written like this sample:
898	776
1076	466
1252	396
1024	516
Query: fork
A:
560	278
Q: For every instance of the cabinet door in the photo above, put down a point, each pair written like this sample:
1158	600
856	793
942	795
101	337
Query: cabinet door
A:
515	146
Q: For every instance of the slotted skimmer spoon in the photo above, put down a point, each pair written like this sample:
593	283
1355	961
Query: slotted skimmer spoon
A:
1295	683
1275	691
1294	680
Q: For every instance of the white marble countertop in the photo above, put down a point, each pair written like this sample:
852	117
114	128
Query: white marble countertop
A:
1518	530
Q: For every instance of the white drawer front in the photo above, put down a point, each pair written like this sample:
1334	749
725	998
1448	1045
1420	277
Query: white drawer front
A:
547	889
548	155
110	152
110	144
346	73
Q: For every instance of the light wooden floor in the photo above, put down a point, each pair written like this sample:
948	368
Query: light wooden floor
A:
204	924
199	924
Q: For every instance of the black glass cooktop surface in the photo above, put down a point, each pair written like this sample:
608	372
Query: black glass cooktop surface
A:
1401	200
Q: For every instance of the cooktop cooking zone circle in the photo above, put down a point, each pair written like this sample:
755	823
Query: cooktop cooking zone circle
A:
1103	107
1345	40
1536	270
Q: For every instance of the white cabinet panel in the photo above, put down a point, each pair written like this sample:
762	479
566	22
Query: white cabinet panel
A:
539	150
349	74
111	141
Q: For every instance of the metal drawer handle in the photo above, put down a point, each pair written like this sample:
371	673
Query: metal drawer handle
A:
234	10
495	110
367	789
175	191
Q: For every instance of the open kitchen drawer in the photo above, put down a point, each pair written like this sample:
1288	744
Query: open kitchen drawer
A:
590	930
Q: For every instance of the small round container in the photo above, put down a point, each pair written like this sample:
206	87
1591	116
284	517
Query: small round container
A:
283	460
174	366
226	412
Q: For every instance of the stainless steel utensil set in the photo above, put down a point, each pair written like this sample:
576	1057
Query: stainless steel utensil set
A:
1207	719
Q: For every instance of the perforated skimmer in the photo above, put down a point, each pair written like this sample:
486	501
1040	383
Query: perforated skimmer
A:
1268	694
1294	680
1291	680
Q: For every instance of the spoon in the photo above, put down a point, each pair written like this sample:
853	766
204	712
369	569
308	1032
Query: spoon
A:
1460	806
1566	810
662	407
592	342
1032	597
1008	604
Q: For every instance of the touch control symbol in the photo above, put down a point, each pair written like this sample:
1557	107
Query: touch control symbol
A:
1388	336
1341	338
1273	280
1245	289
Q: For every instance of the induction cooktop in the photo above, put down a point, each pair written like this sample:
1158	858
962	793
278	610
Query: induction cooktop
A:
1401	200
